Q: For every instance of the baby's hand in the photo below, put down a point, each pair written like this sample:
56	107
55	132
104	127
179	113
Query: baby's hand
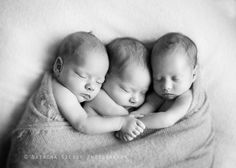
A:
132	126
123	136
136	114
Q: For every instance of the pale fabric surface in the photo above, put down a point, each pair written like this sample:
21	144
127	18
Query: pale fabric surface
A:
42	130
31	30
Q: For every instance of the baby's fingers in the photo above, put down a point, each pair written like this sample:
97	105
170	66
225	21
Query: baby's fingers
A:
132	134
136	132
120	136
139	129
140	124
128	138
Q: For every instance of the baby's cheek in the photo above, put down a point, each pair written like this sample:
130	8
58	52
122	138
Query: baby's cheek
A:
155	85
156	88
120	96
180	89
141	100
96	92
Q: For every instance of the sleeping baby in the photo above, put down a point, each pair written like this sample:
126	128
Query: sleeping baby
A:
126	84
174	68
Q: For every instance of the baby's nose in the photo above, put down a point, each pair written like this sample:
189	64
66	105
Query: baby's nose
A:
89	87
133	100
167	86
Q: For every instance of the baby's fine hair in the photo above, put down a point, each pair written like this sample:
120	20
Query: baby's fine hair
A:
72	43
124	51
175	40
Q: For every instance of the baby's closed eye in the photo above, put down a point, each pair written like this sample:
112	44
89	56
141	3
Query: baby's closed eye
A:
81	75
100	82
125	89
175	78
143	92
157	79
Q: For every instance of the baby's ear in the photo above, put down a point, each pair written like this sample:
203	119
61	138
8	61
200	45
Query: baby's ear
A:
58	66
195	70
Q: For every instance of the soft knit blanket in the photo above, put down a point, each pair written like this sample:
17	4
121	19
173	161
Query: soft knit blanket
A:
44	139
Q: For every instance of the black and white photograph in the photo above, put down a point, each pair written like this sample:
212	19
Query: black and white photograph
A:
117	83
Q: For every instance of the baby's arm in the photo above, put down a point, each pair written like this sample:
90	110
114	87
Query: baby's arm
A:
168	118
105	106
153	101
78	118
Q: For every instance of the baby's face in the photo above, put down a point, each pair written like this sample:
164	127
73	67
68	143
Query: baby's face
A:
128	89
173	74
84	75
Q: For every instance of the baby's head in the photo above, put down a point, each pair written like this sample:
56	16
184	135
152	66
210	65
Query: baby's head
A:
81	65
128	77
174	65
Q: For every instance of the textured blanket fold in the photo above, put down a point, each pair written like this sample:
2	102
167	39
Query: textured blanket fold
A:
44	139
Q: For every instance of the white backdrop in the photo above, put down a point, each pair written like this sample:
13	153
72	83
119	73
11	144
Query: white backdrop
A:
30	32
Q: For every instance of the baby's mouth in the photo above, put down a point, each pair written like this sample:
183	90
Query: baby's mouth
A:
85	96
168	95
130	107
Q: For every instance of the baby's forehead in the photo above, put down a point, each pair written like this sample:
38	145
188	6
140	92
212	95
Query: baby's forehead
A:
171	65
177	50
89	53
172	56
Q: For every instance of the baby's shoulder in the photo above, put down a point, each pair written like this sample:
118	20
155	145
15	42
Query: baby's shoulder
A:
185	98
62	95
186	95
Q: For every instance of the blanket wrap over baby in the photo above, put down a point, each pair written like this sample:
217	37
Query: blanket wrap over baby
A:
44	138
